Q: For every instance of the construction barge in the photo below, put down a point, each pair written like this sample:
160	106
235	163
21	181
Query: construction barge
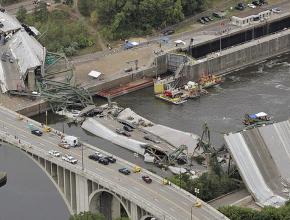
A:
170	90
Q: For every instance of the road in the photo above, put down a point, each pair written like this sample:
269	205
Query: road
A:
168	199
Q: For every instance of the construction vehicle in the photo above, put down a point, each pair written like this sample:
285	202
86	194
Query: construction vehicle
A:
165	181
46	129
136	169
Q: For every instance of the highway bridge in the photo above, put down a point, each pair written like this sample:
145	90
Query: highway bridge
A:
90	186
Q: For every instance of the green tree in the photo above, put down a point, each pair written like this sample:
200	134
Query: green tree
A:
87	216
21	14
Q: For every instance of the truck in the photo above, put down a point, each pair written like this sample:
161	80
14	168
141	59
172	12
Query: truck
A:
71	141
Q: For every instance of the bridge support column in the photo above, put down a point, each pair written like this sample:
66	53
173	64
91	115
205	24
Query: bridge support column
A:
134	212
82	194
116	208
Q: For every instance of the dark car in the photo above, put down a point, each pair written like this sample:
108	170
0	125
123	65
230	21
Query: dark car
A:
168	32
147	179
103	161
240	6
127	128
94	157
110	159
125	171
257	3
2	10
36	132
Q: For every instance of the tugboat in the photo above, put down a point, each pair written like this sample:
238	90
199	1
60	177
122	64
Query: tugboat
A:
209	80
257	119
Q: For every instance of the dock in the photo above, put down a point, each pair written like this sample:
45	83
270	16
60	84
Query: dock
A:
127	88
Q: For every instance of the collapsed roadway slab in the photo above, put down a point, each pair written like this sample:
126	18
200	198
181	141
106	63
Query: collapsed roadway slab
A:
262	156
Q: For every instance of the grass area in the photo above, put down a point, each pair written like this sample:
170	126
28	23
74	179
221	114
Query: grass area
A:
64	30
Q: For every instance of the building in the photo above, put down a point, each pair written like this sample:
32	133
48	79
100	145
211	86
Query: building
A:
249	18
22	56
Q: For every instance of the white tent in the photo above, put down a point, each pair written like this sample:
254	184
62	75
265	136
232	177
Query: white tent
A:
95	74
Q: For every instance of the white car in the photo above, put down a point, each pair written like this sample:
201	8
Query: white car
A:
54	153
69	159
251	6
276	10
179	42
99	154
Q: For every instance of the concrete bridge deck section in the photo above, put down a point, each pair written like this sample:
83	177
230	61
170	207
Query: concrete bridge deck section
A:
262	155
98	187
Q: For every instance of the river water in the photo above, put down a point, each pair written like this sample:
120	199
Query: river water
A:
262	87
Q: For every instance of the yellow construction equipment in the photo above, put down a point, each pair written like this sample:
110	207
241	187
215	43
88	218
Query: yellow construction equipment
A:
136	169
46	129
197	204
165	181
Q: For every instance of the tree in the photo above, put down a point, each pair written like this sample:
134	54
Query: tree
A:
87	216
94	17
21	14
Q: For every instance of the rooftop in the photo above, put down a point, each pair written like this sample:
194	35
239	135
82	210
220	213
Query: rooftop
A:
10	23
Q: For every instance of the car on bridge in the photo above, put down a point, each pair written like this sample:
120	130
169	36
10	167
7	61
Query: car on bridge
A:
36	132
54	153
103	161
146	179
111	159
69	159
94	157
125	171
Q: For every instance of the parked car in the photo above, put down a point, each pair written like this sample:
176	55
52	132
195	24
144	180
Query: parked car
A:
201	21
241	6
276	10
136	169
147	179
168	32
205	19
103	161
36	132
210	18
125	171
54	153
94	157
251	6
69	159
2	10
110	159
256	3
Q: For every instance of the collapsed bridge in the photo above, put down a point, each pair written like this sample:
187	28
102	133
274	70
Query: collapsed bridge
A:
263	158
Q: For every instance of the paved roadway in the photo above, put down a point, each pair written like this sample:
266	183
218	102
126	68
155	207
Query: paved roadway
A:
168	199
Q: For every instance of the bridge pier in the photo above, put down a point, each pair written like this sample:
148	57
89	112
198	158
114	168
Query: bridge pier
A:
82	194
115	208
134	211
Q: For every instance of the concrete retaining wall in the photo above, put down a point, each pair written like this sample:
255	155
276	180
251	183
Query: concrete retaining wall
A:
34	109
241	56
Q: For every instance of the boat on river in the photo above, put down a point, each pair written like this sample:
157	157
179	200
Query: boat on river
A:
209	80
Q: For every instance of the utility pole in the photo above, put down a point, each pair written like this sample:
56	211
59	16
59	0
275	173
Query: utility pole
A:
83	167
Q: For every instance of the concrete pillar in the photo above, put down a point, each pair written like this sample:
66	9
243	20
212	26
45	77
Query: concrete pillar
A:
60	178
67	185
31	80
116	208
73	192
48	166
82	194
54	172
134	212
106	205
